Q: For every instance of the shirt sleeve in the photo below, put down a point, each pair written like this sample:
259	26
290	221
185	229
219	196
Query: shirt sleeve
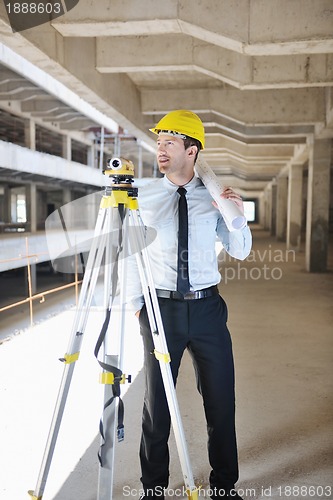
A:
237	243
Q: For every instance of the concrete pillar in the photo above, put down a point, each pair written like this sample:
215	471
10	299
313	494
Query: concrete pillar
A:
316	245
262	208
66	196
5	205
268	209
101	150
30	134
66	147
31	206
41	207
91	156
117	146
66	213
281	208
273	209
294	215
140	164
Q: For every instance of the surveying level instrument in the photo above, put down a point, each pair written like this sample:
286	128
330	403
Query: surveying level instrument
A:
119	204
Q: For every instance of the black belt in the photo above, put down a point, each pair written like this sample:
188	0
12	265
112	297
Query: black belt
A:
198	294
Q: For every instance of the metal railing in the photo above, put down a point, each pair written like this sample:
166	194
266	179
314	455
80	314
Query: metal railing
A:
32	259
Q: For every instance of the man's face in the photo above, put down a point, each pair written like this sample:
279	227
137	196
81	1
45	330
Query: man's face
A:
171	155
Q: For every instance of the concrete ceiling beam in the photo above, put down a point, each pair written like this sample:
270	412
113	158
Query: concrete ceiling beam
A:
120	17
139	54
248	185
236	168
62	117
12	87
217	124
43	106
256	27
247	164
243	149
21	95
302	70
48	74
77	124
265	107
162	53
6	75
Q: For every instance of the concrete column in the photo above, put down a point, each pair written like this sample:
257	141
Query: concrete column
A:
294	215
66	196
281	208
31	206
91	156
101	150
67	261
273	210
117	146
66	147
316	247
268	208
140	165
262	208
6	205
30	134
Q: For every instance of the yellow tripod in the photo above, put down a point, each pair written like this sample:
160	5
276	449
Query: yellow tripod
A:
120	201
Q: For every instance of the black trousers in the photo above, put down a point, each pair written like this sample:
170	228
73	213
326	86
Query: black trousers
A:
201	327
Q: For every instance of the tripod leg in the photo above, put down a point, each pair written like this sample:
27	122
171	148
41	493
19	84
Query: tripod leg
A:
80	320
106	470
161	351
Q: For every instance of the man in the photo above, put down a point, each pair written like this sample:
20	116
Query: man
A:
194	314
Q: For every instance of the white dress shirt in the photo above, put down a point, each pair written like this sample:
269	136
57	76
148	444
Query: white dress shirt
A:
158	209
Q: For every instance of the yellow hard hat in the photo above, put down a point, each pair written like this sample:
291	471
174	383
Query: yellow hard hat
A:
183	122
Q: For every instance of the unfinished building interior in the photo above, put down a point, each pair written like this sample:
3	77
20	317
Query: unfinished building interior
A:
86	86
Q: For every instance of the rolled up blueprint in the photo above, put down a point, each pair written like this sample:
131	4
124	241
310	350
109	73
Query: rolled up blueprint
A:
231	213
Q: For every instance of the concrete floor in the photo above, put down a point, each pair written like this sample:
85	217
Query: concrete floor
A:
280	318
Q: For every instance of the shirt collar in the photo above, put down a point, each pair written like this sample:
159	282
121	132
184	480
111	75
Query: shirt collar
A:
172	188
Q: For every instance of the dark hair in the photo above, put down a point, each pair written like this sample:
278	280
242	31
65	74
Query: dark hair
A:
189	141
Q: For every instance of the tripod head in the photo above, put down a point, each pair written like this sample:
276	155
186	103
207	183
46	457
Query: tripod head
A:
120	170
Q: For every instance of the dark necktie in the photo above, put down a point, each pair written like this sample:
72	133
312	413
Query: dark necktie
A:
183	285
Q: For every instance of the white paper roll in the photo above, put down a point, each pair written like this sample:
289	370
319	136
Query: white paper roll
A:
231	213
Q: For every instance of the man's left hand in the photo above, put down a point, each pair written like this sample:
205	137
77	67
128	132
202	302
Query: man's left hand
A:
229	194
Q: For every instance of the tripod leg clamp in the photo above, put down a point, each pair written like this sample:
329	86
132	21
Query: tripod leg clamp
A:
193	494
33	497
160	356
70	358
108	378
